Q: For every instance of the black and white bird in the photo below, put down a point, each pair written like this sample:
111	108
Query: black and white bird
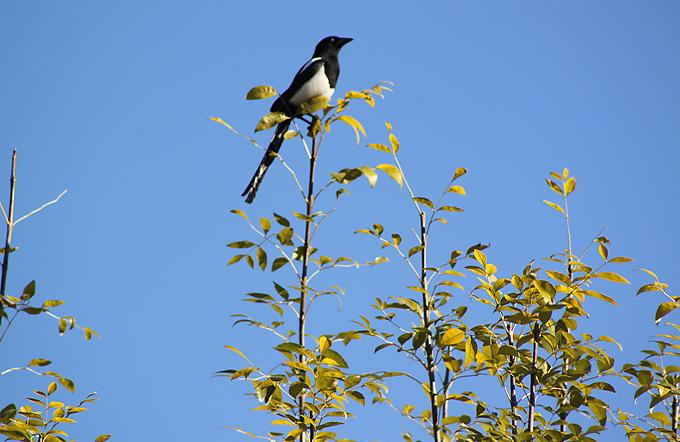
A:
315	78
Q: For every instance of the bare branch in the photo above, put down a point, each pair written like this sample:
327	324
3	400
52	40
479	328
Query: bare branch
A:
47	204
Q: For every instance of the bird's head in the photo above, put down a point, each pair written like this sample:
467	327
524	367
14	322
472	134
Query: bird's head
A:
331	45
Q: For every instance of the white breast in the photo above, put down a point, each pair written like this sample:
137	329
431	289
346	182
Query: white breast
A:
314	87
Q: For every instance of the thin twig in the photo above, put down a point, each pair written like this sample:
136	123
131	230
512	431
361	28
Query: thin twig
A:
47	204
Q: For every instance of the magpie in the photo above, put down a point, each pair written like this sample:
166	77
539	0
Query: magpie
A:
315	78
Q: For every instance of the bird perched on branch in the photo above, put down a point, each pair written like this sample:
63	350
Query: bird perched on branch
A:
315	78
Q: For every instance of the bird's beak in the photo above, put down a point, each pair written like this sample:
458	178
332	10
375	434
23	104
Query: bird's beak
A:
344	41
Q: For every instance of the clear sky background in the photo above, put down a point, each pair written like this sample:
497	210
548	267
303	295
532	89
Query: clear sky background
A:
111	100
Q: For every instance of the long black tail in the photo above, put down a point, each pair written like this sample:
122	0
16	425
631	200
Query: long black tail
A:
267	160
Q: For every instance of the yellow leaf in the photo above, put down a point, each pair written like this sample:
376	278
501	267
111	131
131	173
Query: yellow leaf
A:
324	344
611	276
270	120
395	143
554	206
290	134
370	175
459	173
457	189
452	336
237	351
469	351
380	147
260	92
393	172
570	185
354	123
313	105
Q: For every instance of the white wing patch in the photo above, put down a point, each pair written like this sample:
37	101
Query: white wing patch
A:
316	86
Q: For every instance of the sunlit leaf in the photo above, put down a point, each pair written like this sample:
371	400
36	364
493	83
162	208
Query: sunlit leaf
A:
392	171
260	92
354	124
452	336
313	105
554	206
270	120
611	276
665	309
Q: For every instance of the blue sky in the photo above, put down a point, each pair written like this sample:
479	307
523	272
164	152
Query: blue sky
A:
111	100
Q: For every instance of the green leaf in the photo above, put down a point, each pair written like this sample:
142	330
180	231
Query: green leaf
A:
419	339
345	176
281	220
285	236
425	201
261	258
546	289
393	172
470	351
265	224
599	410
260	92
332	357
28	291
452	336
665	309
8	413
234	259
241	244
357	396
38	362
312	105
278	263
660	417
270	120
70	386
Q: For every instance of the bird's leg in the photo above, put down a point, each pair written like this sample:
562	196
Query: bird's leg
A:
301	117
312	124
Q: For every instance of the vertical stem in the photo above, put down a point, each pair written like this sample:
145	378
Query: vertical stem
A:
445	391
674	418
10	224
570	274
534	369
305	269
513	387
426	324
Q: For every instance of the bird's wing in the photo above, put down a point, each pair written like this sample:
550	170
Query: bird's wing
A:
309	81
